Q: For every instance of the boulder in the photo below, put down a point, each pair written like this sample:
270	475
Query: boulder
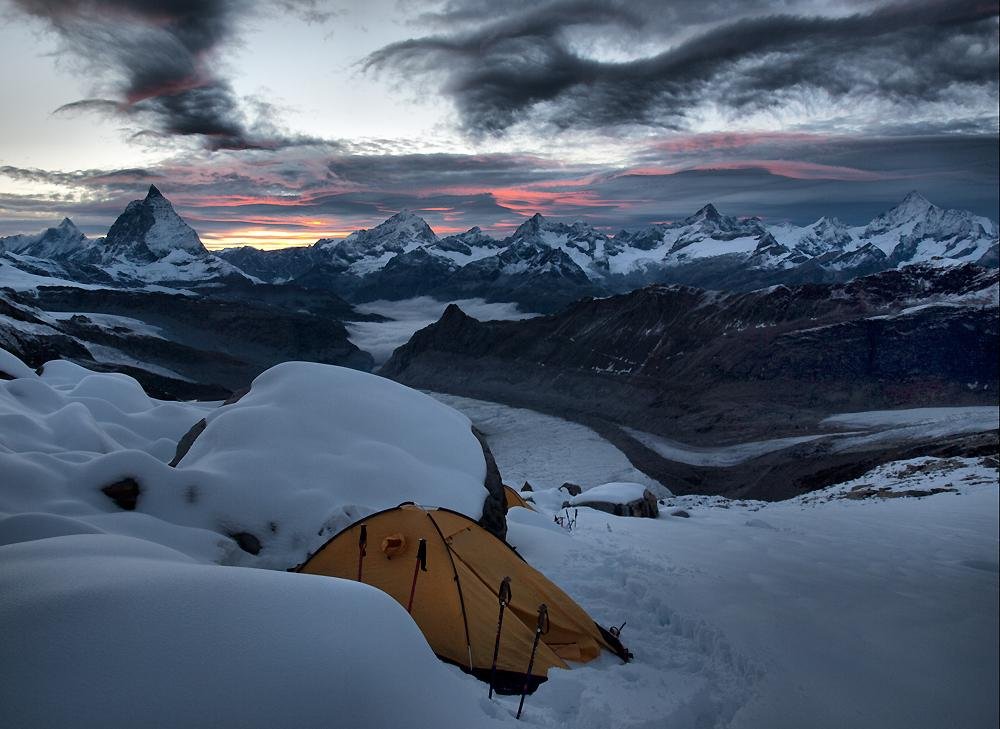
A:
571	488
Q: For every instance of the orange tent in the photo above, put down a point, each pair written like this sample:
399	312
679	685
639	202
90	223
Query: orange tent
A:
455	601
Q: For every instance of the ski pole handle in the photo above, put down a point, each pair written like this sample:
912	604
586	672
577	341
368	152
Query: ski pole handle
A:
504	594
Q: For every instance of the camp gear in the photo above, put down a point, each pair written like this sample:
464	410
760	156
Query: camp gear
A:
421	564
457	612
541	627
504	597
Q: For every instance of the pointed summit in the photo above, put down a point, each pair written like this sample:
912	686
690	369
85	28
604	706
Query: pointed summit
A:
709	211
150	229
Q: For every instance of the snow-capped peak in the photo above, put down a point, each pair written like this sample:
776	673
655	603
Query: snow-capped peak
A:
150	229
708	212
913	209
62	241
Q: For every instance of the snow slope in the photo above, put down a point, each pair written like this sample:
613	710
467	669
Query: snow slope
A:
106	631
545	450
815	612
868	604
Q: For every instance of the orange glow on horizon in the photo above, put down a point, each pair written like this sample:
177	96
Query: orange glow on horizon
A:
268	239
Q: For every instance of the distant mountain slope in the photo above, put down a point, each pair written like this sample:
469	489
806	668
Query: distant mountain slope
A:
676	359
710	368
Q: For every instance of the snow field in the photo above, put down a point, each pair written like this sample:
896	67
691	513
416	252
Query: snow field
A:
858	605
108	631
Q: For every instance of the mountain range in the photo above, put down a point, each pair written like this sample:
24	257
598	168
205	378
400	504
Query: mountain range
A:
711	329
543	265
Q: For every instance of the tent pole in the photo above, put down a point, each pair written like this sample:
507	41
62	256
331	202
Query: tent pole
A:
362	543
421	564
541	627
504	596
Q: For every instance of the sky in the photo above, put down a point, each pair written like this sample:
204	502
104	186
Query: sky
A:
280	123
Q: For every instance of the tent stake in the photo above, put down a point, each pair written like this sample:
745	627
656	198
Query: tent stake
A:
362	543
421	564
504	596
541	627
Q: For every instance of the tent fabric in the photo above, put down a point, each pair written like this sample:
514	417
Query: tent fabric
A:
512	498
456	603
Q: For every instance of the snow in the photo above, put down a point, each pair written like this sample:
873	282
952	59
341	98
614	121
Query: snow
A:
350	444
110	355
819	613
113	321
177	265
409	315
169	233
710	247
14	366
866	604
884	426
968	419
545	450
731	455
106	631
616	492
13	277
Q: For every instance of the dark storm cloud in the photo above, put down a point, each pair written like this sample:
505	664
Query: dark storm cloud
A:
523	65
779	176
743	175
158	60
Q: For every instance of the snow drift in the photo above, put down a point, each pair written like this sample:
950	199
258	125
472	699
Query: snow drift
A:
108	631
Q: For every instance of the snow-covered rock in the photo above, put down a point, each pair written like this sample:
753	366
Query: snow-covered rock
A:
310	449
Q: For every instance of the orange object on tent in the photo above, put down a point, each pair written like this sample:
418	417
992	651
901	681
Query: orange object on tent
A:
455	602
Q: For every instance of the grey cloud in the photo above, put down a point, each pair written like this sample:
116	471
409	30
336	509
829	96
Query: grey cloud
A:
522	67
158	59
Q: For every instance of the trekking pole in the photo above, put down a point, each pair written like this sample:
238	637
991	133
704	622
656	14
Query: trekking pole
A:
362	543
504	596
421	564
540	628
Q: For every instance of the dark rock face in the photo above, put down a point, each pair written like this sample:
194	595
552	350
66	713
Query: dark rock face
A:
677	360
494	519
187	440
416	273
124	493
571	488
209	339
